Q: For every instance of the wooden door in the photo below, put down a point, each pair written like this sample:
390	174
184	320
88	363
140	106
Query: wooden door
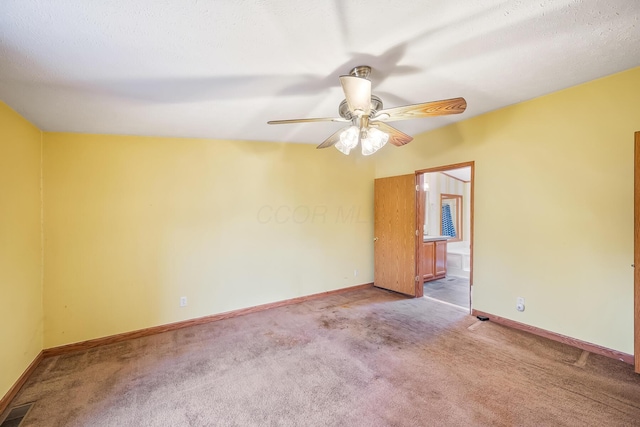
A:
395	234
636	255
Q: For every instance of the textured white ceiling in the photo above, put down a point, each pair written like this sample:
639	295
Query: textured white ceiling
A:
221	69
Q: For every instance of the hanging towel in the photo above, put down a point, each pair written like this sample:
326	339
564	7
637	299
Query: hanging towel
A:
447	222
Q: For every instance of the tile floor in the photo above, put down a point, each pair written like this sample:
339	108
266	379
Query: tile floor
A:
454	290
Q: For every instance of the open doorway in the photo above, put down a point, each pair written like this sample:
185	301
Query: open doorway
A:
445	213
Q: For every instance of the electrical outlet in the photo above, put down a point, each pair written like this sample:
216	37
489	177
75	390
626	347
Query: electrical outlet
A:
520	304
355	273
183	301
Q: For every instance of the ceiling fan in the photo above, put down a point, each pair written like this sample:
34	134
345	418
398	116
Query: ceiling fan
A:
367	117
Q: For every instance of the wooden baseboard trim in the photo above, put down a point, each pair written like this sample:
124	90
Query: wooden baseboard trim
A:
583	345
8	397
97	342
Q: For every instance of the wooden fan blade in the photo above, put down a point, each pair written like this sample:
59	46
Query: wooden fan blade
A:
357	91
396	137
319	119
427	109
333	139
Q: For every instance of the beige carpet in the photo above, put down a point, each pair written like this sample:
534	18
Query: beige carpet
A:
365	358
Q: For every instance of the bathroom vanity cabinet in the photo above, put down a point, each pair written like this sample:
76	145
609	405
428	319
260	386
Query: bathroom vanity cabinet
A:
434	257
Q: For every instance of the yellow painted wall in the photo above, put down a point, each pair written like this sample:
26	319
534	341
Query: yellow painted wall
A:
134	223
131	224
553	205
20	248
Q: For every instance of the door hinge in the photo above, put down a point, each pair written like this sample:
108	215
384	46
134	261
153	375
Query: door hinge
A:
417	233
417	187
417	278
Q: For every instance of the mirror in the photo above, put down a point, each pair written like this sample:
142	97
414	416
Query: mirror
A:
451	216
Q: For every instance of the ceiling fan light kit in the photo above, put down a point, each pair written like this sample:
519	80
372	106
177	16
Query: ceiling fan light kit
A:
348	140
373	141
366	115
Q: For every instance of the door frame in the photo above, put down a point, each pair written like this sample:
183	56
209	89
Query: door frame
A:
420	220
636	252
